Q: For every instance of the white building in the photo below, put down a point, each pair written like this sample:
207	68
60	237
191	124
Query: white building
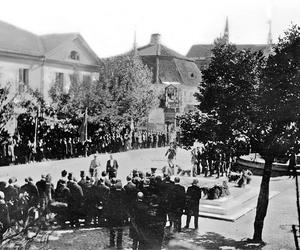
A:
27	59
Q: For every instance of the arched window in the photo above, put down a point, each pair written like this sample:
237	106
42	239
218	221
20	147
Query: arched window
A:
74	55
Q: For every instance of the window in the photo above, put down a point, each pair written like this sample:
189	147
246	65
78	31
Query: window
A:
74	55
192	75
86	78
24	76
59	78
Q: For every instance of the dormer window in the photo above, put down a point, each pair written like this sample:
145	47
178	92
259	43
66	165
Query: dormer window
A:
74	55
192	75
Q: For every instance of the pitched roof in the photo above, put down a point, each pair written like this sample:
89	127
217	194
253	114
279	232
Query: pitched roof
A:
204	50
14	39
51	41
159	49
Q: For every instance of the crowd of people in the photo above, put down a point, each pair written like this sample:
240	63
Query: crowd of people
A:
206	159
20	151
145	203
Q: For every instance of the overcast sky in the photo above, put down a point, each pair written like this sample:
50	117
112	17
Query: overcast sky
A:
108	26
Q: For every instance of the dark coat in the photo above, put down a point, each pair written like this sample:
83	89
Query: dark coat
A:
130	193
112	168
4	217
11	193
193	196
101	193
116	211
76	196
41	186
177	199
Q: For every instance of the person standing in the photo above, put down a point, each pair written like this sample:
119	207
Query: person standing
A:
116	215
75	202
177	203
292	164
193	196
112	167
155	223
171	155
94	165
4	216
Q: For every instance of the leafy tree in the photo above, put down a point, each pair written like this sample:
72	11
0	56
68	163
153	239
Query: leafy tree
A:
228	91
5	111
258	98
130	90
276	121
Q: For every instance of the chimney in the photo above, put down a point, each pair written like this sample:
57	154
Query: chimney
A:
155	38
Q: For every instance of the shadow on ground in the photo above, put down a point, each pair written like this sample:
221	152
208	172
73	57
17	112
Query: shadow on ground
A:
209	240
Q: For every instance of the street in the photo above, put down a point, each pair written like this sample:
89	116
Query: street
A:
212	234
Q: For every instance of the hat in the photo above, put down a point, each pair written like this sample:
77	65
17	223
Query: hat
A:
118	185
195	182
70	176
140	195
176	179
64	173
2	196
153	170
82	174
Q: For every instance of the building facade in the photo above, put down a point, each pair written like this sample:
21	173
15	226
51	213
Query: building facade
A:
29	60
202	53
179	76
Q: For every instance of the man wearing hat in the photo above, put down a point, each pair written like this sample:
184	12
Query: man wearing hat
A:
116	215
177	204
138	222
11	192
193	196
83	182
75	202
32	191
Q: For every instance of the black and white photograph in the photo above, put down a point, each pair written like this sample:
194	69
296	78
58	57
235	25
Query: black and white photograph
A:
149	125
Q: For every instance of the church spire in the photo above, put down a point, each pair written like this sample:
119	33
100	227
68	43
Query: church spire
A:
226	32
270	41
135	44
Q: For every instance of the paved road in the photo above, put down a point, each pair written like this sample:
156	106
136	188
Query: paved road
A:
212	234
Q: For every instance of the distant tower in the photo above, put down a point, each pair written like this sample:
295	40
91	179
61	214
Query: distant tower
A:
226	32
135	52
270	41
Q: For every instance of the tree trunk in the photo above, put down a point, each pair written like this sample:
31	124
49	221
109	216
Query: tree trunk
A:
263	200
297	195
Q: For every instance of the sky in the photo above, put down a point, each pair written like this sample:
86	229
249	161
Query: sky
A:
109	25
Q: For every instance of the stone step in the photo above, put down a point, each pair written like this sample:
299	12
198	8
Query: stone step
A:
233	208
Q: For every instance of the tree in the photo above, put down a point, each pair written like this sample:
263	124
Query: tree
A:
5	111
276	121
228	90
130	90
259	98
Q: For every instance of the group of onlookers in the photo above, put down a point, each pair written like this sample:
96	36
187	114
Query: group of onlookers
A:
20	151
145	203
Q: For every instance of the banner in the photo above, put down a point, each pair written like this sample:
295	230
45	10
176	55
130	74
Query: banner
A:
83	128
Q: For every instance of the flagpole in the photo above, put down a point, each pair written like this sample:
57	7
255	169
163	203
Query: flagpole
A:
86	135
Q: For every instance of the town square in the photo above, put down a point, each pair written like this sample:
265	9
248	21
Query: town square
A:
149	125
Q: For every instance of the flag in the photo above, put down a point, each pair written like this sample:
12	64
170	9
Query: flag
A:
36	130
83	128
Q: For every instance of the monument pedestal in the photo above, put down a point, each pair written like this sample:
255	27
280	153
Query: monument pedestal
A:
230	208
